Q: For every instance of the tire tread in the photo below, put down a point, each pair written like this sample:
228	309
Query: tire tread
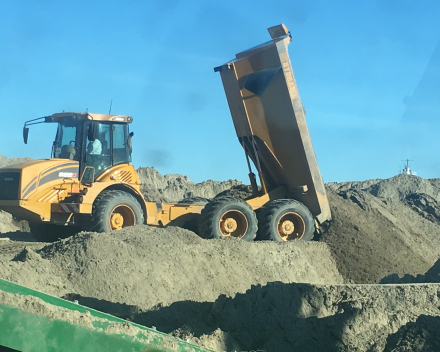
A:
96	221
269	211
207	227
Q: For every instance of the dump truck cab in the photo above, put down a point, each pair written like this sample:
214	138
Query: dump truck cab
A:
96	141
90	160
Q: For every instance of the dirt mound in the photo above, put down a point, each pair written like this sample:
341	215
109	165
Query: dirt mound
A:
395	188
231	294
237	191
424	205
9	224
291	317
419	336
383	227
171	264
432	275
400	186
380	227
172	188
4	161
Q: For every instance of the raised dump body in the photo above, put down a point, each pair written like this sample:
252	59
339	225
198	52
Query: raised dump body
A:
270	121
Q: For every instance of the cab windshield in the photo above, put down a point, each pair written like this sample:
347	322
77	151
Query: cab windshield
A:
92	143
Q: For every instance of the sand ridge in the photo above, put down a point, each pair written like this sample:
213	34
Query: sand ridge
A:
328	294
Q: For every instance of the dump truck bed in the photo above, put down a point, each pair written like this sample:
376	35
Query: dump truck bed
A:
269	119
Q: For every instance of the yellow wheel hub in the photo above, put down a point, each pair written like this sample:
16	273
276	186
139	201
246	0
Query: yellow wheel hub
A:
122	216
291	226
286	227
229	225
233	223
116	221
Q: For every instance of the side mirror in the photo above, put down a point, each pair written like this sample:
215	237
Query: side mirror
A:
25	134
129	144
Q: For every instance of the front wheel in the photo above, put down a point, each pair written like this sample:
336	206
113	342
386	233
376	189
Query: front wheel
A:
228	217
113	210
285	220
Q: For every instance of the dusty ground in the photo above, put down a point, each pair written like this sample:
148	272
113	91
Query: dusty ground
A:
232	295
170	264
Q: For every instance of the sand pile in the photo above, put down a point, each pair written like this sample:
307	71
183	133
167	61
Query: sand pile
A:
145	266
432	275
420	335
262	295
301	317
9	224
379	229
4	161
172	188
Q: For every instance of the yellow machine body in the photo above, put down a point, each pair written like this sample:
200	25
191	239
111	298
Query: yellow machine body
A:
49	190
55	190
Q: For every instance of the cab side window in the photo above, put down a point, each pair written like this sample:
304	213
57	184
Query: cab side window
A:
120	148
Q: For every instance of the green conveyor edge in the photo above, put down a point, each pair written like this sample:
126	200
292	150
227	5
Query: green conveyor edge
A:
27	331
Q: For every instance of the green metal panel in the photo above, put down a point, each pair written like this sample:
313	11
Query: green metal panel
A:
31	332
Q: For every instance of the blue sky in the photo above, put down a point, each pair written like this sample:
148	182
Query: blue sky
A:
368	74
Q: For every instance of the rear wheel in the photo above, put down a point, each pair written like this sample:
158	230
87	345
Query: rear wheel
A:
51	233
228	217
285	220
113	210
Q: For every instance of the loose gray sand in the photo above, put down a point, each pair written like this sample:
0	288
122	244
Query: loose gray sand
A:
324	295
146	266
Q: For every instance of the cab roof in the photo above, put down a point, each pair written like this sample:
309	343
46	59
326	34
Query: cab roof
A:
89	116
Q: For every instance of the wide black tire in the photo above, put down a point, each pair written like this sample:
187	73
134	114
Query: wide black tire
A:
225	217
112	210
50	232
285	220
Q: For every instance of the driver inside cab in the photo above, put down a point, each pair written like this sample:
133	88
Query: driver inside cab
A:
94	147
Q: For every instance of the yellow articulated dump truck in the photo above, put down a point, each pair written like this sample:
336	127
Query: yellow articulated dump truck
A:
89	183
